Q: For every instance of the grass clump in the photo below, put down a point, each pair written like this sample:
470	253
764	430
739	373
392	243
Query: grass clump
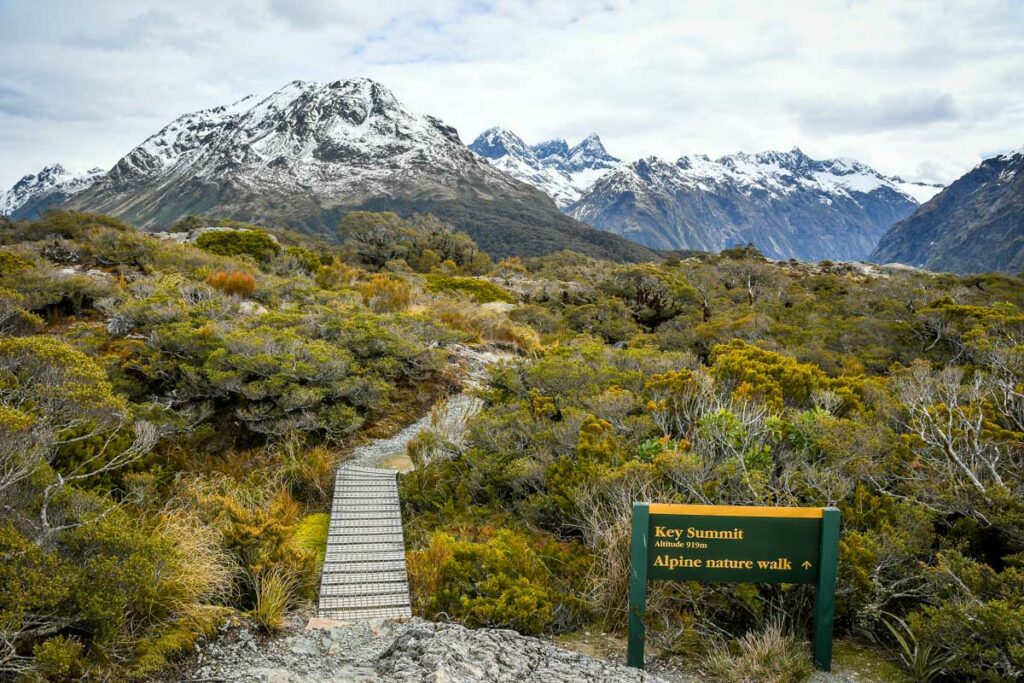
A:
275	591
486	327
767	656
239	284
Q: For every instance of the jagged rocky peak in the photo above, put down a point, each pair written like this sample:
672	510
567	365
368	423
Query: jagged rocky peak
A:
591	147
53	184
497	142
563	172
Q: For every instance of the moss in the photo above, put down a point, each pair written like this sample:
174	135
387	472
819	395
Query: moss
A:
311	535
866	662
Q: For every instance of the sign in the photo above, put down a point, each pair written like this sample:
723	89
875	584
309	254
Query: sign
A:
727	543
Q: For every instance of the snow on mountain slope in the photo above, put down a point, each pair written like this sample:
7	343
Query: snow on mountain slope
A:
920	191
309	152
786	203
561	171
343	139
52	185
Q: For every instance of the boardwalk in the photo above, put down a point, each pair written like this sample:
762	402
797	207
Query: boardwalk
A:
364	573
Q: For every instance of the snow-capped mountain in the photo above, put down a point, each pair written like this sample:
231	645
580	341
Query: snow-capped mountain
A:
562	172
974	225
786	203
309	152
52	186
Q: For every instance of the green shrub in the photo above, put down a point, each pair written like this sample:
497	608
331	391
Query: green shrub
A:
259	245
478	290
58	658
502	580
608	319
538	317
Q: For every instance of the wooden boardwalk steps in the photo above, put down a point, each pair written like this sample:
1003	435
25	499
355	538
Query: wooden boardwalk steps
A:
364	574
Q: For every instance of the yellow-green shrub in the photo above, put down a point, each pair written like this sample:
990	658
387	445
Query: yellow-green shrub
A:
476	289
58	658
504	579
386	294
311	535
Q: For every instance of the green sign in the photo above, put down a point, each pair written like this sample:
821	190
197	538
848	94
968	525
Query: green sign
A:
725	543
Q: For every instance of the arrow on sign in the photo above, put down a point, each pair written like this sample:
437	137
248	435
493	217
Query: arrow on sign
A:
806	564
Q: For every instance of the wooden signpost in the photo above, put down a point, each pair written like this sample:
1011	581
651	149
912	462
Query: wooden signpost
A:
727	543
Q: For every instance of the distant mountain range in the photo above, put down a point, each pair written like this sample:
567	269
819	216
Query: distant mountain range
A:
561	171
308	153
786	203
976	224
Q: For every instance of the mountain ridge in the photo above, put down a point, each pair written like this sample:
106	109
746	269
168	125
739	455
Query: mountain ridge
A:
976	224
51	186
786	203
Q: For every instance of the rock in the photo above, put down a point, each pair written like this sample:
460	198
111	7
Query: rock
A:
321	623
415	650
118	326
303	646
251	308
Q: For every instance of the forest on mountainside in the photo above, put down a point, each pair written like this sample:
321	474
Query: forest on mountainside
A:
171	415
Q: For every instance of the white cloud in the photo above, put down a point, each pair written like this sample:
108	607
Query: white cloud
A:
917	88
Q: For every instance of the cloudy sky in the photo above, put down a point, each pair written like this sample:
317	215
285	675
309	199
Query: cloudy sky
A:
924	90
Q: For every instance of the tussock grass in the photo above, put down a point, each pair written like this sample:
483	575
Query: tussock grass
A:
485	327
767	656
276	591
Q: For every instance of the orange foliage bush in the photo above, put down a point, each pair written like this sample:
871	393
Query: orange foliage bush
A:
241	284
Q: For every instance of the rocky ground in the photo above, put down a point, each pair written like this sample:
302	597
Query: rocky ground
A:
379	650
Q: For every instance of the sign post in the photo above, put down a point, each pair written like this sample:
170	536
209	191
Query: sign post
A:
727	543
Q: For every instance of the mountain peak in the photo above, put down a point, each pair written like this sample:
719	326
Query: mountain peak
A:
553	147
1019	152
591	146
53	184
561	171
496	142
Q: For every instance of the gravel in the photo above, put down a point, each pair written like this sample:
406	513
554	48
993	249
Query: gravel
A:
380	650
